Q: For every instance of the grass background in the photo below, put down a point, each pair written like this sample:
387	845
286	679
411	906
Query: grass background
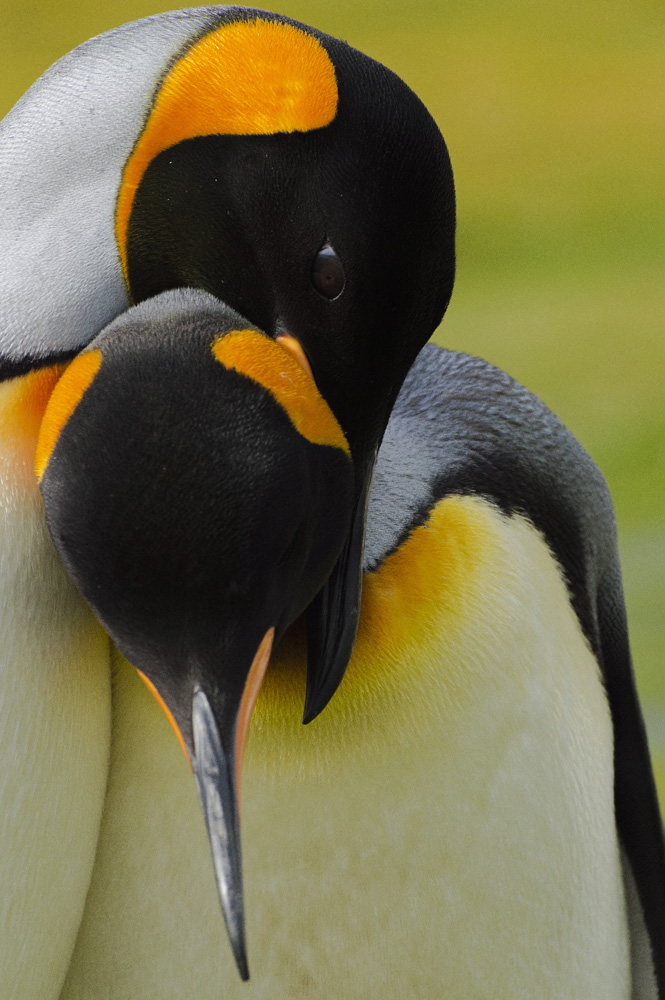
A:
553	114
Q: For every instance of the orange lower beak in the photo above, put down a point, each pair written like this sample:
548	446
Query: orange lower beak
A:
248	701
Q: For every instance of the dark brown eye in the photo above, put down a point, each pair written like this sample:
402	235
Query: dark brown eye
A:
328	274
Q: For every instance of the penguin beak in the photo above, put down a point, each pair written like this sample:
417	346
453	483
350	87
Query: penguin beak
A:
332	617
217	767
294	348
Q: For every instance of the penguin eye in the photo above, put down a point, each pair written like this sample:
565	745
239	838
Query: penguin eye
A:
328	274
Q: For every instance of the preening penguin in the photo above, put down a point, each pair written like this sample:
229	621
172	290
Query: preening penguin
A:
473	814
236	500
301	183
242	153
461	788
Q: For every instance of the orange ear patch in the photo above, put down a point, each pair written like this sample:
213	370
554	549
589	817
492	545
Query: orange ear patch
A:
247	78
273	367
66	396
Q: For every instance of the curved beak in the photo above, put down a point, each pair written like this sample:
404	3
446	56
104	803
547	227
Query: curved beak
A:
332	617
217	766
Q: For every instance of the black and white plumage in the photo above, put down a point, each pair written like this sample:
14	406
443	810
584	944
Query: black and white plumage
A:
473	814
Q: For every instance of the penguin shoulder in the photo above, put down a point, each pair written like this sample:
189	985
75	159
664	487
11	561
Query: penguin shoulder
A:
81	119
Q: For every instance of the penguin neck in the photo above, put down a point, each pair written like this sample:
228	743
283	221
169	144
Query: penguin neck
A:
470	606
471	743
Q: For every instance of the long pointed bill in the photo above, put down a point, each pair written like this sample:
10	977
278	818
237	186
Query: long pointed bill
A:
332	617
217	772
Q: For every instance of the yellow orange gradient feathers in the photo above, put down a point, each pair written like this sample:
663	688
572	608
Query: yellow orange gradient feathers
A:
65	397
275	368
247	78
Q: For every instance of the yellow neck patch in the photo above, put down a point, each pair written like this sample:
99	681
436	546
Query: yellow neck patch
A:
66	396
247	78
421	634
23	401
30	395
261	359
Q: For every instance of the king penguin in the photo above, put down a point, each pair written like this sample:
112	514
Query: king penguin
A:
236	152
245	154
472	815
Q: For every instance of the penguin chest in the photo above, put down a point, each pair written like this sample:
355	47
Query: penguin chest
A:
54	720
448	830
444	829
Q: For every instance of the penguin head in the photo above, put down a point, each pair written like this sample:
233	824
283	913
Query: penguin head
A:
307	187
198	490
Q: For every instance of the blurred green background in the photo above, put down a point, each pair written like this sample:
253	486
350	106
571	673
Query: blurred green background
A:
554	114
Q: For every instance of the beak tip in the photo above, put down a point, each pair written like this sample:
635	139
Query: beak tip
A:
240	956
214	773
315	702
308	716
326	670
235	926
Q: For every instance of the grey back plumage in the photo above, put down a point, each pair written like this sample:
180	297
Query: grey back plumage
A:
462	426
